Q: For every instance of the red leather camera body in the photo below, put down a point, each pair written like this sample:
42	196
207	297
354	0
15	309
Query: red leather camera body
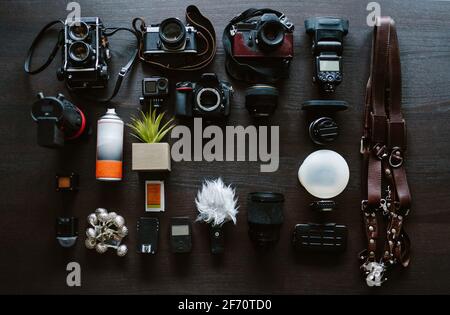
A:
245	46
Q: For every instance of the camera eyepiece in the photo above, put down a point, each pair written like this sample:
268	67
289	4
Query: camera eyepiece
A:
78	30
271	32
172	33
261	100
79	51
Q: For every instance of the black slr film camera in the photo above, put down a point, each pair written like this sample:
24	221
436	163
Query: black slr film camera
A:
262	37
208	97
171	37
85	54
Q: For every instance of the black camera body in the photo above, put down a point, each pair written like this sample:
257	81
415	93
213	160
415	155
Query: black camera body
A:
154	91
327	34
170	37
85	54
267	36
58	120
209	97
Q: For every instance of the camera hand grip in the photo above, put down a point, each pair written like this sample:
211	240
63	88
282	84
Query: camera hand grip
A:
182	105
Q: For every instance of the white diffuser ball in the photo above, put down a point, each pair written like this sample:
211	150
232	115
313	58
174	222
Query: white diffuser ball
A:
324	174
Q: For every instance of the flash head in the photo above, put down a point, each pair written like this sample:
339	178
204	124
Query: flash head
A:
327	34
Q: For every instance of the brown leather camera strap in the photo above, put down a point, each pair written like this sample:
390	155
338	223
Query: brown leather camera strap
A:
386	195
207	43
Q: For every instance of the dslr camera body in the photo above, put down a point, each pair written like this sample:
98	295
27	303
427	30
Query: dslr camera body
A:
85	54
209	97
265	36
170	37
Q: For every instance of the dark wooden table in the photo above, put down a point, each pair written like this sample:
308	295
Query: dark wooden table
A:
32	262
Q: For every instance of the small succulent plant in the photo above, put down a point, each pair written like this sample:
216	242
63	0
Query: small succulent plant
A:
149	128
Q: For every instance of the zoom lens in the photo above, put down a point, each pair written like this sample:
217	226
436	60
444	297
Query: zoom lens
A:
265	216
78	30
271	35
172	33
208	99
79	51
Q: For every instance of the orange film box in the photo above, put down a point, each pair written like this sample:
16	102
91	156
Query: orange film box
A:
154	196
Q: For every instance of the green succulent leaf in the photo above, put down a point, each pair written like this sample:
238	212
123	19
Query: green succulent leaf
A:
148	127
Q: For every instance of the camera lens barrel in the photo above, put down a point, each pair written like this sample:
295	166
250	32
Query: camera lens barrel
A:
265	216
79	51
271	33
261	100
78	30
172	33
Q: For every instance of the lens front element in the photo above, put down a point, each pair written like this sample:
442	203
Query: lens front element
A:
172	33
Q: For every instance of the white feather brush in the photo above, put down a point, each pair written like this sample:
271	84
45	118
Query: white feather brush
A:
216	203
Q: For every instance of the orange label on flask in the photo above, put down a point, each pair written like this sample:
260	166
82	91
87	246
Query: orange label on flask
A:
108	169
153	195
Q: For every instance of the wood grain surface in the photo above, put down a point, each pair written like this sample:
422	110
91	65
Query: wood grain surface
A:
32	262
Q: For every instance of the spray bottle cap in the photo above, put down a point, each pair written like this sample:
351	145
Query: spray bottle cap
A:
111	114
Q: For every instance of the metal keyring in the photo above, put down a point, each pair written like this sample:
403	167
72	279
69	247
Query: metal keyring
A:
208	109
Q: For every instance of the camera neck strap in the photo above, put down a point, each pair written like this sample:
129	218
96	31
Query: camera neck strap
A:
38	38
253	73
60	42
386	192
205	32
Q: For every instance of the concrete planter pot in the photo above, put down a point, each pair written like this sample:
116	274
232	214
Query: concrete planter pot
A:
151	157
